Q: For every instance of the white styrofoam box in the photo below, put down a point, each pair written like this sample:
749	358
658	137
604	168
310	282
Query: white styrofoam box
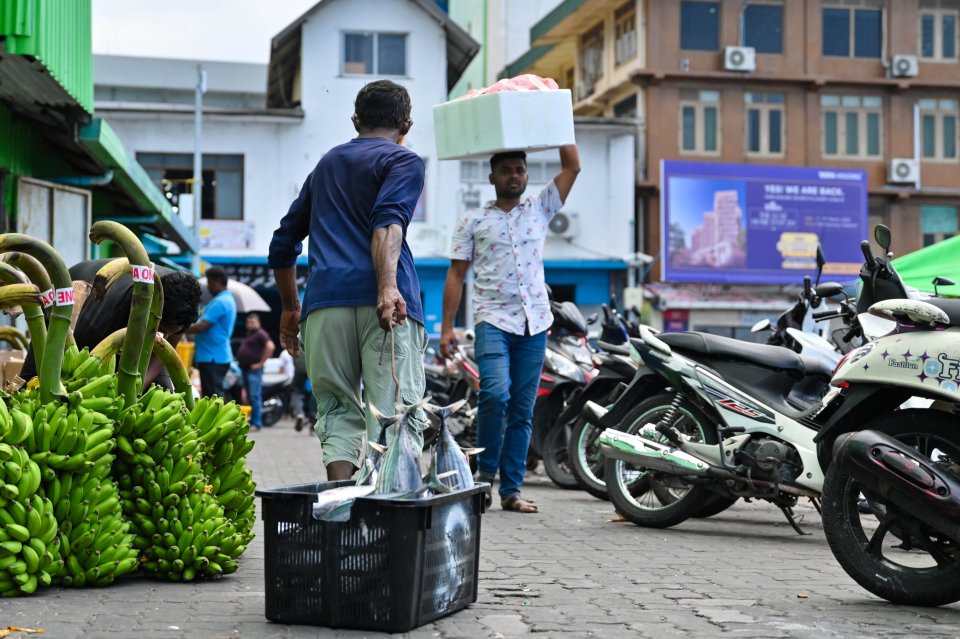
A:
503	121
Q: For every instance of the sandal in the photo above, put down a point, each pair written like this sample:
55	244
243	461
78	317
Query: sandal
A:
515	504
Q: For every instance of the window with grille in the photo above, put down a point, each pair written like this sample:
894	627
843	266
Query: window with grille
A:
850	31
938	30
374	53
938	129
222	181
700	122
764	123
851	126
591	60
700	25
937	223
763	27
625	30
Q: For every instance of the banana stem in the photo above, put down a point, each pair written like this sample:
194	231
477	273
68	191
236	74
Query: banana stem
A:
107	277
50	384
139	305
110	345
153	326
14	337
30	266
178	372
165	352
33	312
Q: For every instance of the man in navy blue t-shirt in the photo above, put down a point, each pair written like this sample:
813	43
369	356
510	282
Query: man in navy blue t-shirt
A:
355	207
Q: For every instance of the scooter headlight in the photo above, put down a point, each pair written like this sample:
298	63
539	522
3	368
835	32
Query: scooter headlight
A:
563	366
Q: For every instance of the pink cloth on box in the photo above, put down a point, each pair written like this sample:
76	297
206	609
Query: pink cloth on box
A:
525	82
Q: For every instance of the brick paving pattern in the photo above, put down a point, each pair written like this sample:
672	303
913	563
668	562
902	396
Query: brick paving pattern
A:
567	572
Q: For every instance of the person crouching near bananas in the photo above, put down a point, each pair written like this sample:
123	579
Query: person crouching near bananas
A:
97	319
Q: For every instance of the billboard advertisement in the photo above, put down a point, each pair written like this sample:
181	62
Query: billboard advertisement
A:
753	224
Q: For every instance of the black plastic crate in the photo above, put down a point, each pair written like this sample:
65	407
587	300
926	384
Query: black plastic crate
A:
395	565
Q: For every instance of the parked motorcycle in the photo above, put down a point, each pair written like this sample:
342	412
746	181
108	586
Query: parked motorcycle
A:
615	370
727	419
891	497
567	367
585	451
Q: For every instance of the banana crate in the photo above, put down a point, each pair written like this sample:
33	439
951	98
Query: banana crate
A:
394	565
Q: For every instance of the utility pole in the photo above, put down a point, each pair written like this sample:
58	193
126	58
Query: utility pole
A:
198	162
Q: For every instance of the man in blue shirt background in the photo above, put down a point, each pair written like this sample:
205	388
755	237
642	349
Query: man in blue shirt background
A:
212	355
355	207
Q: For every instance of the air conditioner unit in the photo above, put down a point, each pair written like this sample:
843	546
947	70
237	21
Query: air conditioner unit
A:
904	66
904	171
565	225
739	59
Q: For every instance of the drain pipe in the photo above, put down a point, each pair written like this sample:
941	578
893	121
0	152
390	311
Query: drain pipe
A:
83	180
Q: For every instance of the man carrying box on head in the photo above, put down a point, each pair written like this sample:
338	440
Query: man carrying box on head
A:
504	240
355	208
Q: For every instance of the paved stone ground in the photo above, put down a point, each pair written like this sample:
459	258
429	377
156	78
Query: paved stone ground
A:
568	572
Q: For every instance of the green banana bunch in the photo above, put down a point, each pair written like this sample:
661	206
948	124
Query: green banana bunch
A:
19	475
29	545
224	428
95	539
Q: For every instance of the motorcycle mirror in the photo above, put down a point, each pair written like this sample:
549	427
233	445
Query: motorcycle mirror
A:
821	260
829	289
882	234
941	281
762	325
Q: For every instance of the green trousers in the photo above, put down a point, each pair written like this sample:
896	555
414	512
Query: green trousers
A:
342	347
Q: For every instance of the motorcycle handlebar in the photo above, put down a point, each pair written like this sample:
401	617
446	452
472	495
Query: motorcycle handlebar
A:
826	314
867	253
849	335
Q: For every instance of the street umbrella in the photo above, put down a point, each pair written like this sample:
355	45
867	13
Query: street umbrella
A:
248	300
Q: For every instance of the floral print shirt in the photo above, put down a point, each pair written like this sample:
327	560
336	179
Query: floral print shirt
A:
506	248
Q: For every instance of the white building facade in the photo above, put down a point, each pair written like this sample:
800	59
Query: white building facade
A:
266	126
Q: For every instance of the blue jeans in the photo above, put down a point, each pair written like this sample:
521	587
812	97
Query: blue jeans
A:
510	367
253	382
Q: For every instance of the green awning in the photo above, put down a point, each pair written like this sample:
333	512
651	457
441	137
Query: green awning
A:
941	259
521	64
104	144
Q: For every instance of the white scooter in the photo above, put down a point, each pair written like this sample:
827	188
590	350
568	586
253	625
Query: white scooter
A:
735	420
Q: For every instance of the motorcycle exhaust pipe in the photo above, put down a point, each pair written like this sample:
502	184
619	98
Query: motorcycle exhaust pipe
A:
650	455
912	482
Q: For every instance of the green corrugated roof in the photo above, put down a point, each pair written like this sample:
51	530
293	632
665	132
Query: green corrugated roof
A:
58	33
555	17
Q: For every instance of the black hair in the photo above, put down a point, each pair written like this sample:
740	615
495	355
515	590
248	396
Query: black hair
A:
254	316
216	274
382	105
181	299
496	158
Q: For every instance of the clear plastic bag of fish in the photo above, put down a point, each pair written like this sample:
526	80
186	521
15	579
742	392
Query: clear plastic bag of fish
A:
335	504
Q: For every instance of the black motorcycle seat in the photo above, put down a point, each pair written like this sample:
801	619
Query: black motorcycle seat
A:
615	349
717	346
950	307
816	366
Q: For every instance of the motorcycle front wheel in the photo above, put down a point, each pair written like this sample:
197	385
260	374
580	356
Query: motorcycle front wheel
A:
890	553
653	499
556	463
586	460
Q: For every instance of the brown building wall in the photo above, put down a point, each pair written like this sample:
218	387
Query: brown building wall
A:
802	74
